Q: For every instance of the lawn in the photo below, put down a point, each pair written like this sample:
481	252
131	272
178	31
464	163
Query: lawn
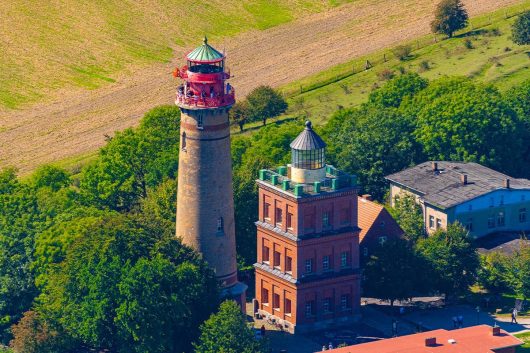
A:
525	348
483	51
59	45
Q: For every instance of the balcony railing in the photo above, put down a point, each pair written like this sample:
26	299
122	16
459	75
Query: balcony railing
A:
335	180
205	102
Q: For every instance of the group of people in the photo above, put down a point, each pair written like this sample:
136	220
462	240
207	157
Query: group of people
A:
458	321
184	91
329	346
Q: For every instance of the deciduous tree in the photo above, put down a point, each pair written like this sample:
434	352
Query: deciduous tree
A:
240	114
409	216
264	103
453	258
372	142
395	272
450	16
227	331
521	29
458	119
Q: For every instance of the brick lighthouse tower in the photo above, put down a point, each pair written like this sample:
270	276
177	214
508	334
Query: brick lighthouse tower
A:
205	209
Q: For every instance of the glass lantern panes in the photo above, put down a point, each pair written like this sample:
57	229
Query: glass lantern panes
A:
308	159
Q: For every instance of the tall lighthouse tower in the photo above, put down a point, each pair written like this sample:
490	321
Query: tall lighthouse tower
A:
205	209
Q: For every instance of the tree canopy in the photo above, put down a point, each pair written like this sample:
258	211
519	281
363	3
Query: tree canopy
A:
521	29
453	258
395	272
227	331
449	17
264	103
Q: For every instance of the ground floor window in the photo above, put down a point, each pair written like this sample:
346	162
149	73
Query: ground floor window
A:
438	223
344	259
308	266
264	296
500	219
328	305
491	222
522	215
287	306
276	301
431	222
310	308
344	301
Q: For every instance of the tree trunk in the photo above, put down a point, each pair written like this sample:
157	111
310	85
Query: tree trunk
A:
264	122
241	125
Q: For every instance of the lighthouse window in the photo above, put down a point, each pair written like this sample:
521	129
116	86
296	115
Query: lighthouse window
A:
199	121
308	159
183	141
220	224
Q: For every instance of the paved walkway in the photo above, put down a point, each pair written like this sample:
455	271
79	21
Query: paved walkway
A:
381	321
442	318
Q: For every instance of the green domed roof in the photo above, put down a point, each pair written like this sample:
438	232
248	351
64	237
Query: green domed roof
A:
205	54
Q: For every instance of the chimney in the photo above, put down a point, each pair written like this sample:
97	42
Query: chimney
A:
506	183
430	342
463	179
496	331
367	197
434	166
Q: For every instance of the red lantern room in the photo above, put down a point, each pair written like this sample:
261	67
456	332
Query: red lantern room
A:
204	80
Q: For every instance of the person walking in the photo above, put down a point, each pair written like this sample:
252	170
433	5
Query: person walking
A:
514	316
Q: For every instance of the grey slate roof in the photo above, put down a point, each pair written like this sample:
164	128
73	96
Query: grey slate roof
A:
308	139
443	188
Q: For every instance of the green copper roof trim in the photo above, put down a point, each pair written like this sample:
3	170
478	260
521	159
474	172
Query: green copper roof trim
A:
205	53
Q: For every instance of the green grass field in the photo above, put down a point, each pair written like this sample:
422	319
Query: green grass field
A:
525	348
50	45
490	56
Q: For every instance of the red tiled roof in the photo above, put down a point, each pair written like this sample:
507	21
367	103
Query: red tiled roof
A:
369	212
475	339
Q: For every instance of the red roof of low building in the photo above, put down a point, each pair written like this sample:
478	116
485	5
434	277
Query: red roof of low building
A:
475	339
372	214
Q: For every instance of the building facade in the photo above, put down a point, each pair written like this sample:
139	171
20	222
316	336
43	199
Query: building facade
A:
205	209
377	226
307	270
483	200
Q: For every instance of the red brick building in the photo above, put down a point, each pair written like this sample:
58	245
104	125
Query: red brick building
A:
474	339
307	270
377	226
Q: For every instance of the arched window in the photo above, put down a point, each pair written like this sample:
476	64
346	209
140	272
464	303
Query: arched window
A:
220	224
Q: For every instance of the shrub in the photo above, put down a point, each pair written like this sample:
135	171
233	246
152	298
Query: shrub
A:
468	44
402	52
424	66
385	75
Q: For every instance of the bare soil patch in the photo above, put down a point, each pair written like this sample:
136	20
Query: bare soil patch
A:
76	121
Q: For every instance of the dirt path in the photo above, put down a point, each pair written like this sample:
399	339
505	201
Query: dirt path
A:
75	122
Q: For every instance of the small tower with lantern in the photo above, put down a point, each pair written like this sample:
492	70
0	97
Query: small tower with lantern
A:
307	269
205	203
